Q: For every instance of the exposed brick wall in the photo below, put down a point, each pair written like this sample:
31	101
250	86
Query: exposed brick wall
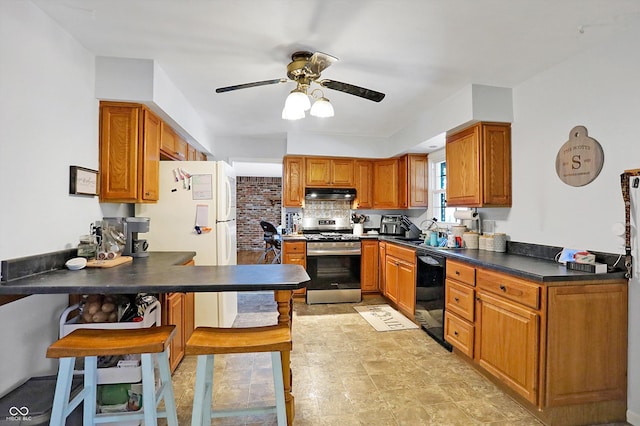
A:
258	198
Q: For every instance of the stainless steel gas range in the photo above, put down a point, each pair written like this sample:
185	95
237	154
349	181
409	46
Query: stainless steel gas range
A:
333	261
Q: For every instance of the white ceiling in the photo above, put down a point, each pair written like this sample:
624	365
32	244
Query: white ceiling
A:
418	52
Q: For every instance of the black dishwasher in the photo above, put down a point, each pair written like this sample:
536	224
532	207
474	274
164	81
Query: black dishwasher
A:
430	281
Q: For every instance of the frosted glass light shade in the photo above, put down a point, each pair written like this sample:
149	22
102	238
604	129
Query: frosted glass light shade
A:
292	114
297	100
322	108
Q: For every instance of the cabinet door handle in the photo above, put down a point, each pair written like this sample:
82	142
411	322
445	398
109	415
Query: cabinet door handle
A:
457	272
456	299
455	333
503	287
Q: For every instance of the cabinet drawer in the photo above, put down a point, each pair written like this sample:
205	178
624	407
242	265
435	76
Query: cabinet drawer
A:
459	299
512	288
459	333
295	247
461	272
403	253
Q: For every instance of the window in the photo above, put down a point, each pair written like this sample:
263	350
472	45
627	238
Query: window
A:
438	188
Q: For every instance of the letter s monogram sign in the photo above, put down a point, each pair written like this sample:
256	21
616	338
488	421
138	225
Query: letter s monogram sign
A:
580	159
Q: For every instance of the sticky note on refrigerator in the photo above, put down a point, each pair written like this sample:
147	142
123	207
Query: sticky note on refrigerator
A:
202	215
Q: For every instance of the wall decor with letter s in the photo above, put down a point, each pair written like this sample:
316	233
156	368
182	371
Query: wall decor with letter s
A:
580	159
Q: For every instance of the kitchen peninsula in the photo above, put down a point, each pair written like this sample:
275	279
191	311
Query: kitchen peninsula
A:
162	272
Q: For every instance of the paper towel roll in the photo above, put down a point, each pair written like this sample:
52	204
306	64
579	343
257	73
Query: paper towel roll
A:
466	215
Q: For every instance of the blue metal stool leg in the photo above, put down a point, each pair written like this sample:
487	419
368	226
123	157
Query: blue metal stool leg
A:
208	391
148	390
197	413
90	390
62	392
278	383
167	390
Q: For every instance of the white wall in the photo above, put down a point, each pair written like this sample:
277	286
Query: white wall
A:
48	117
600	90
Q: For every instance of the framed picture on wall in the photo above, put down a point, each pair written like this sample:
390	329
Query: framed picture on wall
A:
83	181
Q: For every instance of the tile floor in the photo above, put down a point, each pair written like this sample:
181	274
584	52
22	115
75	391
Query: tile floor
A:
346	373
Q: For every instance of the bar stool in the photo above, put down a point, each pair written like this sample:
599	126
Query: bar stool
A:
90	343
205	342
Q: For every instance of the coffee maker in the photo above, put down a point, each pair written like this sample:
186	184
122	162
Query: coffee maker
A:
135	246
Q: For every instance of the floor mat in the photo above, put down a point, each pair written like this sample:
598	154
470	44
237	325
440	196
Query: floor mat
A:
384	318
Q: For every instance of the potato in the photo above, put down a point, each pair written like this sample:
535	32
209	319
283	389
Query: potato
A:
92	307
100	316
108	307
87	317
113	317
94	298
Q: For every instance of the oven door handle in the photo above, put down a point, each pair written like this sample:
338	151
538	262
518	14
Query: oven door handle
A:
333	252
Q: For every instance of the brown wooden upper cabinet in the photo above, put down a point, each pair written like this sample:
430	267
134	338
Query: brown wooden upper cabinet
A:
385	184
132	142
321	171
172	146
129	153
363	175
479	166
401	183
293	182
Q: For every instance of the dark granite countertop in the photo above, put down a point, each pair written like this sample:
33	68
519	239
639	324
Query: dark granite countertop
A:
160	272
517	263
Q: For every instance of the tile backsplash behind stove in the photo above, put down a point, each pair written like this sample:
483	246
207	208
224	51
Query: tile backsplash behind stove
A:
327	209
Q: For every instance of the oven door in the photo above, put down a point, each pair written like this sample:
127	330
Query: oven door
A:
335	278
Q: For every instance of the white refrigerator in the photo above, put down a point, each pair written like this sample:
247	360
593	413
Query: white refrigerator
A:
197	212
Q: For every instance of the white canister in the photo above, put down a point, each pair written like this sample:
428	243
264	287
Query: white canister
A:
471	240
499	242
489	242
358	229
482	242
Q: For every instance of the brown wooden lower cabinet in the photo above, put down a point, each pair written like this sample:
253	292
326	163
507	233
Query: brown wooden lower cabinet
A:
369	266
400	278
295	252
177	309
560	348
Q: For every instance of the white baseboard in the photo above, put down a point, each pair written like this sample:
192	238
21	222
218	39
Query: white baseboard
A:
633	418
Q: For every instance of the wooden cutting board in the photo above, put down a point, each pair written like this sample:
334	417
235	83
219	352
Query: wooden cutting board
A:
120	260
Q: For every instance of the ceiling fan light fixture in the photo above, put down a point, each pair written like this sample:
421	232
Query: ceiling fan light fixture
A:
297	100
322	108
292	113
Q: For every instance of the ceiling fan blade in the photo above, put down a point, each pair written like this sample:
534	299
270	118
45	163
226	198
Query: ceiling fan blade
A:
254	84
319	62
372	95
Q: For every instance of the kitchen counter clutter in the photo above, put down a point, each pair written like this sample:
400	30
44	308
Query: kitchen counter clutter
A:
529	261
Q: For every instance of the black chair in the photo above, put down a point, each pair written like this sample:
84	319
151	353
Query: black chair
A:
272	243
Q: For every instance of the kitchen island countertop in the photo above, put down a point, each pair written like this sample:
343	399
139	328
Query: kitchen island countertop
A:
160	272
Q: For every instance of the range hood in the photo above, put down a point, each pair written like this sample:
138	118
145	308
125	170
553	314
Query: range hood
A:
329	193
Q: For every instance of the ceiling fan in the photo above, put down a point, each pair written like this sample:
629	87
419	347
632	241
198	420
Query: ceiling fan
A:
305	68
